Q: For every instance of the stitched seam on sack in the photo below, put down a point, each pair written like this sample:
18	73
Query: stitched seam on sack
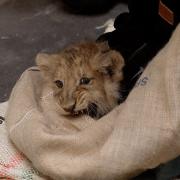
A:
46	96
25	117
21	120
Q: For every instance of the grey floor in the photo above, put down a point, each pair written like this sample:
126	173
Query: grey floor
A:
28	27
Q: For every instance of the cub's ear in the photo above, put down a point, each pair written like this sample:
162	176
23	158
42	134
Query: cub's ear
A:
103	46
111	63
47	64
43	61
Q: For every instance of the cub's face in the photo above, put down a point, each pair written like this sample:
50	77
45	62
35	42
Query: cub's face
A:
85	78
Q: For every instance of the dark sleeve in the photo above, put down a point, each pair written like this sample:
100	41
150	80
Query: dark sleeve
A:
140	34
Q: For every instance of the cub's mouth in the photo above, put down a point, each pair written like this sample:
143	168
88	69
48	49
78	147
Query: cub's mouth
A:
91	110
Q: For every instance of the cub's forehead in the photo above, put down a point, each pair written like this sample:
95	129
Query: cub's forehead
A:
74	61
70	69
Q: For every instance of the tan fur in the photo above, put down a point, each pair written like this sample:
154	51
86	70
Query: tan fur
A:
91	60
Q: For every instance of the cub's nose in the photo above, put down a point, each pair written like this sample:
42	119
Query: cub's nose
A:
69	108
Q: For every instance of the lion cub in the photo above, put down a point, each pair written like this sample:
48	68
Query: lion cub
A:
85	78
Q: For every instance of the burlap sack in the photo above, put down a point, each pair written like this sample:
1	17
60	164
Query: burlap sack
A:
13	165
140	134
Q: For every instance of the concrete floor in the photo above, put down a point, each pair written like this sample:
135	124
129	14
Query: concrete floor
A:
28	27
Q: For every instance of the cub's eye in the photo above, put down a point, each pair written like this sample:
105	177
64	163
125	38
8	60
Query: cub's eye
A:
59	83
85	80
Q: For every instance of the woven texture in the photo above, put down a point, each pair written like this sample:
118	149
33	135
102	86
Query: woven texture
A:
13	164
140	134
